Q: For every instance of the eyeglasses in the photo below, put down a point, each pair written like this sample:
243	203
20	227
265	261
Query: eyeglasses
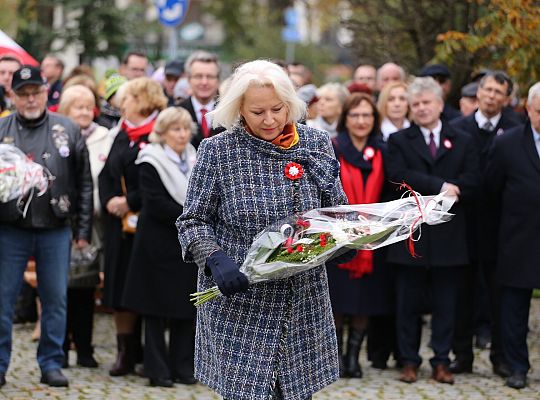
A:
25	95
200	77
357	116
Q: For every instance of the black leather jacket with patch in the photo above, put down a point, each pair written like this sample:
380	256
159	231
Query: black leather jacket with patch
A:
54	142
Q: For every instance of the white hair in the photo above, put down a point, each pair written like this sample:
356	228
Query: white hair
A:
534	91
425	84
258	73
337	88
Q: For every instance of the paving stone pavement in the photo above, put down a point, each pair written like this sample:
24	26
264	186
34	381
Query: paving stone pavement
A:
23	376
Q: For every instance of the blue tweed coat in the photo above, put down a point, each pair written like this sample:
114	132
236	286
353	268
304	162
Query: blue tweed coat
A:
277	331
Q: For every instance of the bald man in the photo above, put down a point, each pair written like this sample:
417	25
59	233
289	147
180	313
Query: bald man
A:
389	72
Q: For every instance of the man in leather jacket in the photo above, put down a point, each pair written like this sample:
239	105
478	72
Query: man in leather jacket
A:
50	222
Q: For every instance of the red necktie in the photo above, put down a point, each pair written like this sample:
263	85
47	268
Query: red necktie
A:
204	124
432	145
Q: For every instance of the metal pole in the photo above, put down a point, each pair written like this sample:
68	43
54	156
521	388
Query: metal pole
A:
289	52
173	44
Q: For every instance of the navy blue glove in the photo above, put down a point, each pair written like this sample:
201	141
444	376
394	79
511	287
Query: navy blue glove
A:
228	277
342	256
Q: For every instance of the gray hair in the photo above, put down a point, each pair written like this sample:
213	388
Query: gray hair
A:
169	117
534	91
201	56
425	84
341	91
501	78
258	73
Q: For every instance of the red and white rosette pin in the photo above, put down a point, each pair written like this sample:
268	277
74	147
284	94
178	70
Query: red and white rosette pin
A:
294	171
369	153
447	143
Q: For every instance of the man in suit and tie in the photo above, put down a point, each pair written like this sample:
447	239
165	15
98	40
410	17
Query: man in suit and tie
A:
202	69
513	178
479	280
431	157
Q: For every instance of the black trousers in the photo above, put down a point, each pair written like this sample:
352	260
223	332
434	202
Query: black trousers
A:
412	283
382	341
463	338
515	307
174	360
462	343
80	319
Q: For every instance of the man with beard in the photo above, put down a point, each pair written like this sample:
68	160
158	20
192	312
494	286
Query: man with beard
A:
46	229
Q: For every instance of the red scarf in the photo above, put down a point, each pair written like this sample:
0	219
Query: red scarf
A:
353	185
134	134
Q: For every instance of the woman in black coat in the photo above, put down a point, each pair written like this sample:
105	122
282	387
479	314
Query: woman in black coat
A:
363	286
159	282
141	101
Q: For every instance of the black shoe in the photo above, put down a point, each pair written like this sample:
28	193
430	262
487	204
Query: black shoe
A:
86	361
2	379
185	380
517	381
161	382
502	370
482	342
460	367
65	363
379	364
54	378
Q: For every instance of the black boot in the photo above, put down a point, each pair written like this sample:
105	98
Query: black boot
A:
342	371
354	342
125	361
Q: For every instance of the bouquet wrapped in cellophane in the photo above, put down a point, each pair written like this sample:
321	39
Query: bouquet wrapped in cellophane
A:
20	177
307	240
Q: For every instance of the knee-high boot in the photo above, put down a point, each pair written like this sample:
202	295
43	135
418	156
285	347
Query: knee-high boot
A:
125	361
354	342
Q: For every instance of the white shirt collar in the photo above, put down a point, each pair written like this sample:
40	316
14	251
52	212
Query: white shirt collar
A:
197	106
481	119
387	128
436	133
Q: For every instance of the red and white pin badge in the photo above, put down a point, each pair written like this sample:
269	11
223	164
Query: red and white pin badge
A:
369	153
447	143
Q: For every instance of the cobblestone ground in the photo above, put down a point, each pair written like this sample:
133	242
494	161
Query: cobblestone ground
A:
23	376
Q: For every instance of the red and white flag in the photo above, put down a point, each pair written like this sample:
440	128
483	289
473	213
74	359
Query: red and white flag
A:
8	46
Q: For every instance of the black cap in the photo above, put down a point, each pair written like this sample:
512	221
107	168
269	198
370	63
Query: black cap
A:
435	70
480	74
469	90
27	75
174	68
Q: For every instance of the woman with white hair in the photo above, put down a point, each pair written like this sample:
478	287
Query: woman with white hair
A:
273	339
331	97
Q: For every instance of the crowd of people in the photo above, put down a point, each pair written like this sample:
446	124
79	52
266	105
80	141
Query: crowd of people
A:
169	175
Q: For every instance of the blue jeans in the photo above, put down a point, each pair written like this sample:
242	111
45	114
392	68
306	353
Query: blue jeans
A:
51	250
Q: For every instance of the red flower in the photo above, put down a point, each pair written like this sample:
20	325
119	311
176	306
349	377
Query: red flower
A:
369	153
303	223
299	248
294	171
322	238
289	250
